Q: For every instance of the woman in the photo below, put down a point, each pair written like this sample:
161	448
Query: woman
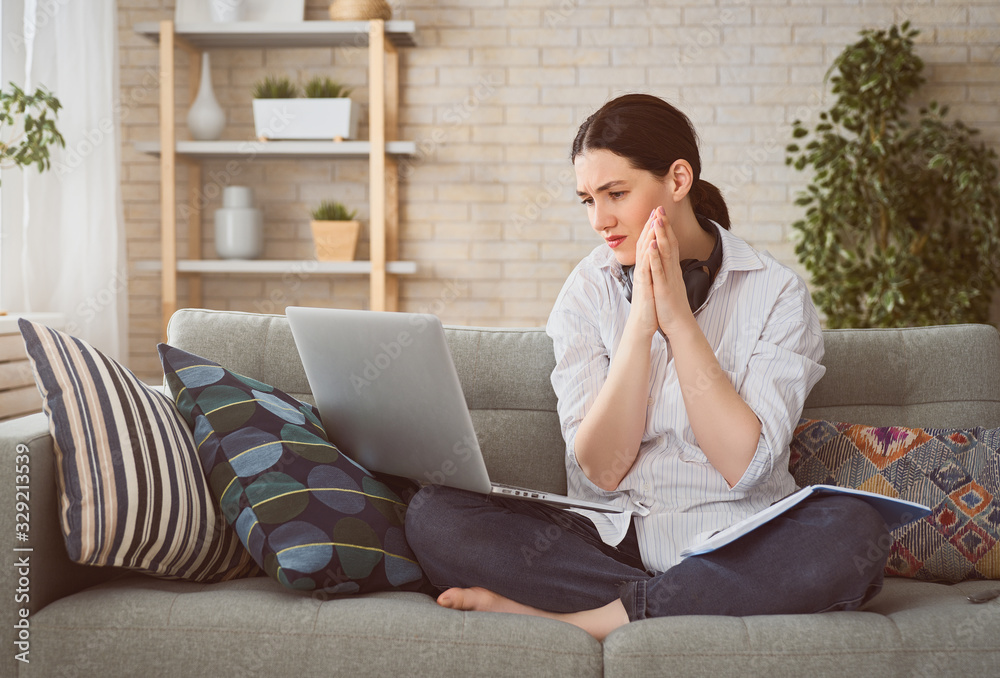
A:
683	359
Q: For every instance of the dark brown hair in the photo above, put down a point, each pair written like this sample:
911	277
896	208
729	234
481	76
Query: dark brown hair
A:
651	134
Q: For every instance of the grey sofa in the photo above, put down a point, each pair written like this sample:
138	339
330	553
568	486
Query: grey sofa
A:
100	622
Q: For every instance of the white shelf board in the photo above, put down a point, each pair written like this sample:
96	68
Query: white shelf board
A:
278	266
278	150
259	34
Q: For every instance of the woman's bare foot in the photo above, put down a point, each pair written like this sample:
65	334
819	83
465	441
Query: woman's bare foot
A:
598	622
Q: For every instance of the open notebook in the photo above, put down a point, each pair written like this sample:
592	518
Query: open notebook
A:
895	512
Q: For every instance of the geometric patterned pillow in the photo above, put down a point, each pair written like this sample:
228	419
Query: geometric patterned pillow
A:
131	491
956	472
312	518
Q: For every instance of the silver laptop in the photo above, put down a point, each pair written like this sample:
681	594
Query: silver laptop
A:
389	396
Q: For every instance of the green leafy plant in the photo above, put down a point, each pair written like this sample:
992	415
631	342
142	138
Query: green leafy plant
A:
325	88
275	87
26	128
329	210
903	219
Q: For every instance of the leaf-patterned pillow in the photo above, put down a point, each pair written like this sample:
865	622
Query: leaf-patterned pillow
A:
312	518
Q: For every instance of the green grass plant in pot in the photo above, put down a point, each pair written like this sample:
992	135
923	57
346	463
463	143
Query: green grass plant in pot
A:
326	112
335	231
902	226
28	128
321	87
273	100
336	112
275	87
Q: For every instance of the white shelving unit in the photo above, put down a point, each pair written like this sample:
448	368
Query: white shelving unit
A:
266	35
278	150
279	266
381	39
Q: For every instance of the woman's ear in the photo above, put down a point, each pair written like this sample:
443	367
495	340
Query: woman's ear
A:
680	179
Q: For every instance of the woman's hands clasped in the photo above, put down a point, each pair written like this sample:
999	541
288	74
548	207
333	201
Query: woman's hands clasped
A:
659	297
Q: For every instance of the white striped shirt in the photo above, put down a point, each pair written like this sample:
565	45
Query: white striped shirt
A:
762	325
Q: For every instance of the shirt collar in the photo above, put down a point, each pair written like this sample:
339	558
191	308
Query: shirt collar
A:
737	255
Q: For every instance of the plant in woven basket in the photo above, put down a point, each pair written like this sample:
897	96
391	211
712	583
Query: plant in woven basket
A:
902	225
360	10
326	88
275	87
26	130
335	231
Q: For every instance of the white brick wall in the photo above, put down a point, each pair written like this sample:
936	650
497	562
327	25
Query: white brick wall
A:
493	94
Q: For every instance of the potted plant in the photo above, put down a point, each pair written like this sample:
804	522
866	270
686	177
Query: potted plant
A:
26	130
271	97
335	231
334	106
903	219
326	113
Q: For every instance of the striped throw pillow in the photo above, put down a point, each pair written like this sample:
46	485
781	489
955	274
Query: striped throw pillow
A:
131	490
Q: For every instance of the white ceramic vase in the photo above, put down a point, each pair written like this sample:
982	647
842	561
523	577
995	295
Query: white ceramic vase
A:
239	227
227	11
206	119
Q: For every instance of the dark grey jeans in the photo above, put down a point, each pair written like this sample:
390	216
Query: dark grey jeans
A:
827	553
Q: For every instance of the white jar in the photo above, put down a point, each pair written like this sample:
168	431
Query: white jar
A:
239	227
227	11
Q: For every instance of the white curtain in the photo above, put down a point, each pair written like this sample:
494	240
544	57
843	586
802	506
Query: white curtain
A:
73	257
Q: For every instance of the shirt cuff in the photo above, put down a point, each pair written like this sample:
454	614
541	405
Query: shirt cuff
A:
587	482
759	467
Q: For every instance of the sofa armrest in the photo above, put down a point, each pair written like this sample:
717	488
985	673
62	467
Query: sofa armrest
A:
31	579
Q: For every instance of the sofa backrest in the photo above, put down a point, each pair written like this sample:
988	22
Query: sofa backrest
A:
504	375
941	377
938	376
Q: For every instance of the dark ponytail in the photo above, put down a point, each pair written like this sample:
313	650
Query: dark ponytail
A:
707	201
652	135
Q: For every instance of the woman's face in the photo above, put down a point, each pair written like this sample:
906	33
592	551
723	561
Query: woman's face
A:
619	199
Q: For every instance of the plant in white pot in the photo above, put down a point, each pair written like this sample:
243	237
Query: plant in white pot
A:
326	112
335	231
334	107
271	99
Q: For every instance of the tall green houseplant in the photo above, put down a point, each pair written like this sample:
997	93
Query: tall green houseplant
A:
902	225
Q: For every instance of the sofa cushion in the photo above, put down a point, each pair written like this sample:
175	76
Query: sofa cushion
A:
911	628
309	515
253	627
954	471
131	491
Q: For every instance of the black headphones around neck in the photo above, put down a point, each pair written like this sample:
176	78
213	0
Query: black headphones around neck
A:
698	275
